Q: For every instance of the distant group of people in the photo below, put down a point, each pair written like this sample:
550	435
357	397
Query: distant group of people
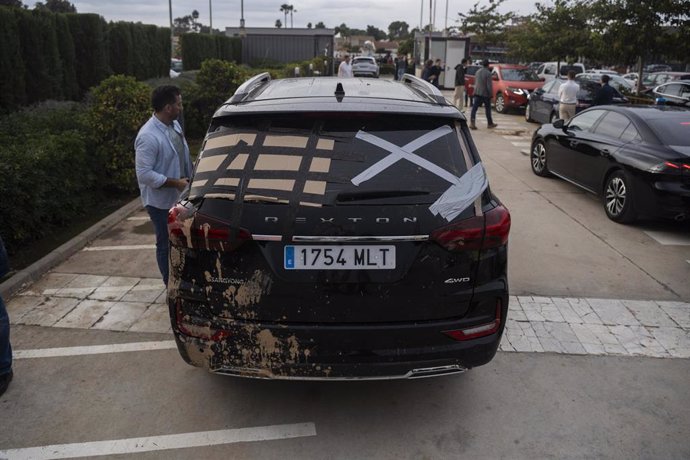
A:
567	95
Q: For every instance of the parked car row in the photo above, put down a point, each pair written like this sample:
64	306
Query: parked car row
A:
543	103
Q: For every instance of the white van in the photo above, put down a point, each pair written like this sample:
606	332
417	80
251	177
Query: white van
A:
547	71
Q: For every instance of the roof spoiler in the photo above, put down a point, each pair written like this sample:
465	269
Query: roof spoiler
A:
248	86
425	87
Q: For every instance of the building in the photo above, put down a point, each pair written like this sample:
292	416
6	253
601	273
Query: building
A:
271	45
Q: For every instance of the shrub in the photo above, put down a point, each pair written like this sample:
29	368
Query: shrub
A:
48	175
119	106
215	83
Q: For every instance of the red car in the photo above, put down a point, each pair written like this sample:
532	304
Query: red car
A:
512	84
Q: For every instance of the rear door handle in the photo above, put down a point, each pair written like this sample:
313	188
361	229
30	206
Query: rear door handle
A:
605	152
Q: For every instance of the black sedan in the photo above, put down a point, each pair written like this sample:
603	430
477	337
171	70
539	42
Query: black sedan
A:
636	157
542	106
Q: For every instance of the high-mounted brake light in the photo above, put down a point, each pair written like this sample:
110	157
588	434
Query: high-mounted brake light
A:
480	232
187	227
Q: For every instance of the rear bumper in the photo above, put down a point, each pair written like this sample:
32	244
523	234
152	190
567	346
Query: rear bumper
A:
334	351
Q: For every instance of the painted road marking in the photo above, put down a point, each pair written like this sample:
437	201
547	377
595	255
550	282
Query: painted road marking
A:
165	442
94	349
521	144
139	218
120	248
669	238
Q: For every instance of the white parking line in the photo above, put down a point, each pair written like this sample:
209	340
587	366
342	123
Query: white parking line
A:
94	349
166	442
521	144
139	218
120	248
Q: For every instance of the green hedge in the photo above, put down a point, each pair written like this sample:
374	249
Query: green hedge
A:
48	175
197	48
46	55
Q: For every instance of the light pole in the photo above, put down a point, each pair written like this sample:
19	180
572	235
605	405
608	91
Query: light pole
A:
210	17
172	32
242	31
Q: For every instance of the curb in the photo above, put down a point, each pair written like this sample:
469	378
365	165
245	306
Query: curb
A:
34	271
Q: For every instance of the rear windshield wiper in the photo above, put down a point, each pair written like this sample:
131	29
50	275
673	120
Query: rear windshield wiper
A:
377	194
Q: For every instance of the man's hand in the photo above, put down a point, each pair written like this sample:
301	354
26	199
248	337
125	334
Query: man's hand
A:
179	184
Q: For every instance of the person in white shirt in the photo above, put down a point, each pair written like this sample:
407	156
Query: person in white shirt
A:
567	97
345	68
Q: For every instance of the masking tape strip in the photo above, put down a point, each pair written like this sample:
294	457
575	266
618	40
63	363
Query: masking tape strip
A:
462	194
398	153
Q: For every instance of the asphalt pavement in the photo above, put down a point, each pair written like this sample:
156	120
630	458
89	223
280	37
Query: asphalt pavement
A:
594	362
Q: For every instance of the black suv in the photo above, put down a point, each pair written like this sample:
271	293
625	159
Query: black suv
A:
338	229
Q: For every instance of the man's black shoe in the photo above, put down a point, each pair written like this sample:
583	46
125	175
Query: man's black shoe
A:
5	380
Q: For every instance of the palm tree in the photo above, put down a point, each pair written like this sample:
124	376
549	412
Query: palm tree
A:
292	10
284	8
278	23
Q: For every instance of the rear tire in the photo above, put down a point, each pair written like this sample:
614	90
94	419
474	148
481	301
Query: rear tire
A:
537	158
500	104
618	198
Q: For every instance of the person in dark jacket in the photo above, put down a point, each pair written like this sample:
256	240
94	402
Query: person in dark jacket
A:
606	93
459	94
436	70
5	347
427	74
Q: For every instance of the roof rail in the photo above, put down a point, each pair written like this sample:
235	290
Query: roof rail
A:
425	87
248	86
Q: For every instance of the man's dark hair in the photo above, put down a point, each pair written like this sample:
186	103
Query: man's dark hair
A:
164	95
571	74
463	61
605	78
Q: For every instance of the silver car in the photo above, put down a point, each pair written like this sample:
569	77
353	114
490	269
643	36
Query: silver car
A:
365	66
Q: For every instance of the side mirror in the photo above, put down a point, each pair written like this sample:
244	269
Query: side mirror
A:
559	124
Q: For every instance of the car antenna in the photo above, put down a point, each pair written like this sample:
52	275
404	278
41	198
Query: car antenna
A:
339	92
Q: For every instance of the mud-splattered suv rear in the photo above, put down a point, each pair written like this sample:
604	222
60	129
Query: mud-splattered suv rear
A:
338	229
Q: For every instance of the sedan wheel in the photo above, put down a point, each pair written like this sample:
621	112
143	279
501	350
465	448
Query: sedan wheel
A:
528	113
500	104
538	159
618	201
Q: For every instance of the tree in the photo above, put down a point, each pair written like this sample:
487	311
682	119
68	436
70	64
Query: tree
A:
292	10
56	6
486	23
279	24
525	42
320	25
309	25
564	29
16	3
638	30
187	24
378	34
285	9
398	30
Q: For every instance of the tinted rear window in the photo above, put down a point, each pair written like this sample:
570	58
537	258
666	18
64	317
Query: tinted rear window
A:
673	129
316	157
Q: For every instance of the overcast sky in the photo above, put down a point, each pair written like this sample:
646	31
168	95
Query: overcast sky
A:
263	13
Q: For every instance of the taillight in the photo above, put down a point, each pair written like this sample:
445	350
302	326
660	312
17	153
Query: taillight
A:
671	167
480	232
480	330
187	227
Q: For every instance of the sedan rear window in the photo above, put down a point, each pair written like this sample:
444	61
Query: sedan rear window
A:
321	158
672	129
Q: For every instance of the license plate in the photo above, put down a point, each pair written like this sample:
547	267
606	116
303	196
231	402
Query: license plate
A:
339	257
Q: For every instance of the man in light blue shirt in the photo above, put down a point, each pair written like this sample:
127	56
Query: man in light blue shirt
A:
163	165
